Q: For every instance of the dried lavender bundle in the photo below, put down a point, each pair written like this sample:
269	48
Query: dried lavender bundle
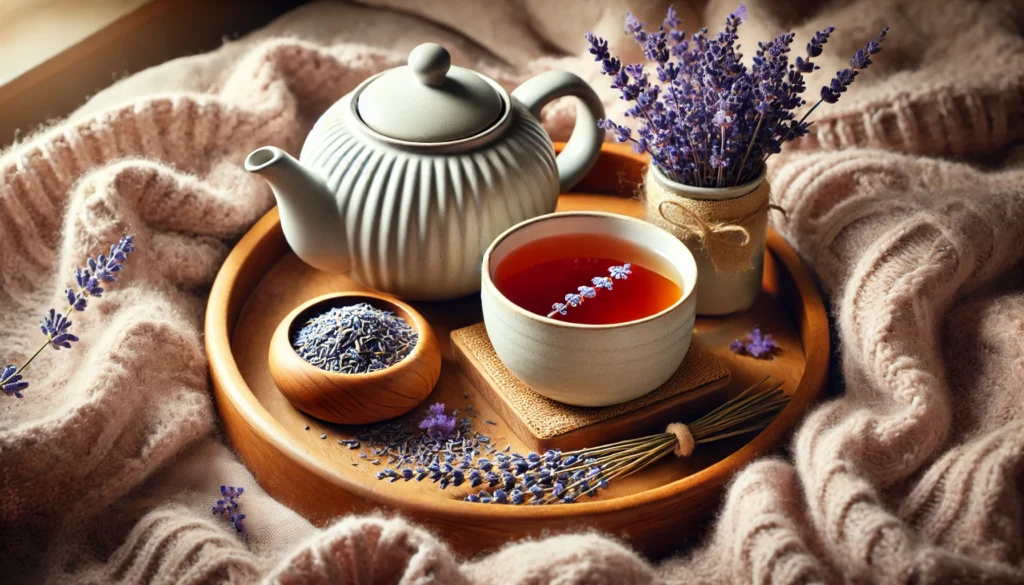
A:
56	326
557	477
709	121
354	339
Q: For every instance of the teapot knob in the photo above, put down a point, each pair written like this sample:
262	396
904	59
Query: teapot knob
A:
430	62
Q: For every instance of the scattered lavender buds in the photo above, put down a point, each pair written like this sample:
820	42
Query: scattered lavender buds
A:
228	507
56	326
556	477
450	453
708	121
755	344
355	339
437	425
412	453
588	292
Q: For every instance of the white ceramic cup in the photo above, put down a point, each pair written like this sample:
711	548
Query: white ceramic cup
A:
590	365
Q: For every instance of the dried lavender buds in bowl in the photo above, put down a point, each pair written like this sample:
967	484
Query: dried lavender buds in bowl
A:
354	358
354	339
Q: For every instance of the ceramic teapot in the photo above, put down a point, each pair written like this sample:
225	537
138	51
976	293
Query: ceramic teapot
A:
406	180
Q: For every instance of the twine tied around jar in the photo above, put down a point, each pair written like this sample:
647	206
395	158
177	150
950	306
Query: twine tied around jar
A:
724	229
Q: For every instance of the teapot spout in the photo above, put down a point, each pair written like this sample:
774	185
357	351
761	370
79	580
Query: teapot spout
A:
309	211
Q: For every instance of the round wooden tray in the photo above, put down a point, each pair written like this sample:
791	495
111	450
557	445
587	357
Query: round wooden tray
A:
262	281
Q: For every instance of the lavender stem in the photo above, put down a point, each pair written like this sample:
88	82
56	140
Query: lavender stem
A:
750	145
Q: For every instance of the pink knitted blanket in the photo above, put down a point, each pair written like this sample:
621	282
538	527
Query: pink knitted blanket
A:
907	201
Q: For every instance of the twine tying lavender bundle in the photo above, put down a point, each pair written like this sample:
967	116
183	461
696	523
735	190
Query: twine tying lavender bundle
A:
355	339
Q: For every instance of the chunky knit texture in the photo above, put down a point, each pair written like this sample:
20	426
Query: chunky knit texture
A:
907	201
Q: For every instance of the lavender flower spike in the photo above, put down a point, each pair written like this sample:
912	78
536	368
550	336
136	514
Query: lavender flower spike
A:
588	292
56	326
860	60
11	382
228	506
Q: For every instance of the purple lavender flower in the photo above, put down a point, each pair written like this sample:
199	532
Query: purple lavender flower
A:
11	382
588	292
437	425
708	120
756	344
622	133
103	268
671	20
815	46
75	301
55	328
598	46
228	507
633	25
621	272
844	78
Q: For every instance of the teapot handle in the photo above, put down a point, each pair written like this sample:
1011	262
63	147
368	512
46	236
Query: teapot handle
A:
580	153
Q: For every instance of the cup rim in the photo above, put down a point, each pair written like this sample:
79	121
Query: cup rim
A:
489	282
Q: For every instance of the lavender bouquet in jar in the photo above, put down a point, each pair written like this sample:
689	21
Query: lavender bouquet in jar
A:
709	123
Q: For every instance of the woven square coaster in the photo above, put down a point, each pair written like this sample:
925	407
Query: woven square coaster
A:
542	423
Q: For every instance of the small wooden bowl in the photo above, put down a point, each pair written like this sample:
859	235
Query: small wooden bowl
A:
355	398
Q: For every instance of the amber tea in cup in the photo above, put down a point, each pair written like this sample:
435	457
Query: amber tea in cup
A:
591	279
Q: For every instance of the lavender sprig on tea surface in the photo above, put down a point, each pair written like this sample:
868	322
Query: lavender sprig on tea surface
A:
56	326
588	292
557	477
355	339
709	121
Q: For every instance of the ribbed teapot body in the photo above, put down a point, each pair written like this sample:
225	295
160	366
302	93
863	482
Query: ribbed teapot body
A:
416	221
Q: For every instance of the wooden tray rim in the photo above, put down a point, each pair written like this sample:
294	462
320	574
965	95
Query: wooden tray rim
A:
266	237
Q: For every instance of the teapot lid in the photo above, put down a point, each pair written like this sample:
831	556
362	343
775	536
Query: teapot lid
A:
429	100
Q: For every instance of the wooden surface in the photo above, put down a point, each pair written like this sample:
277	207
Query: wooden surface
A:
261	282
699	385
355	398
